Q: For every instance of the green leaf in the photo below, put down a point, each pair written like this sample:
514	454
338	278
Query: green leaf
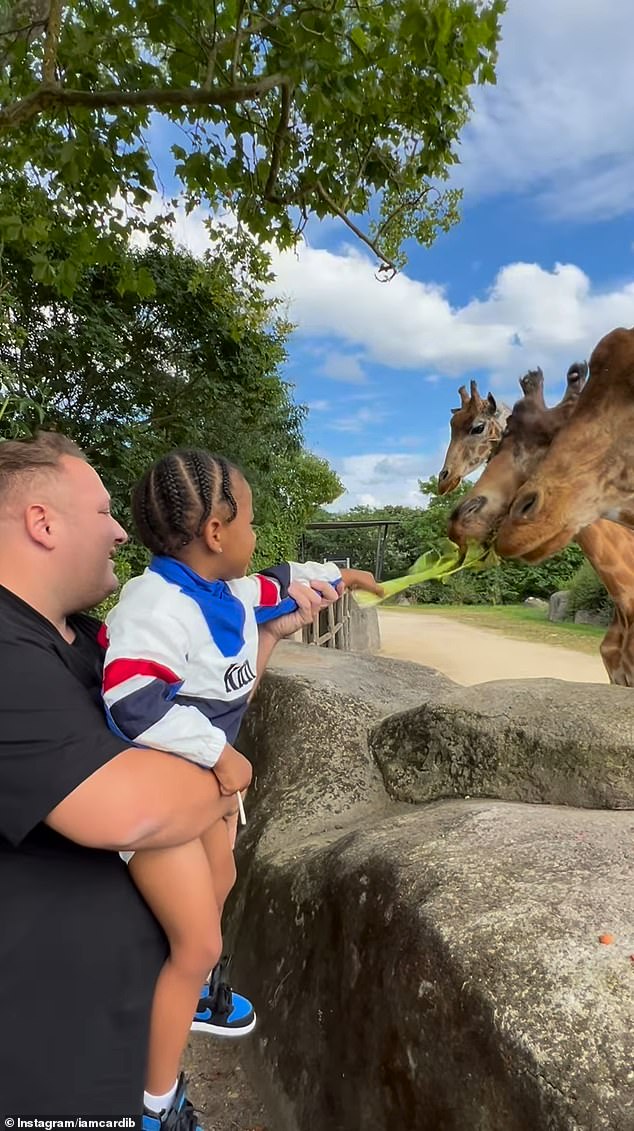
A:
433	566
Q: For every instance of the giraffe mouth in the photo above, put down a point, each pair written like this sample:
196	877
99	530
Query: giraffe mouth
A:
448	485
510	546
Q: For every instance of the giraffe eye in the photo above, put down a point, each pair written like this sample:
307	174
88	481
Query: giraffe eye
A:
477	429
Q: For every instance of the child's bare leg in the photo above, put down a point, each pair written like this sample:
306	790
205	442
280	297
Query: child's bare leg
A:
218	841
178	886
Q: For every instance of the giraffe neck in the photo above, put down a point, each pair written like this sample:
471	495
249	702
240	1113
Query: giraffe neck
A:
610	551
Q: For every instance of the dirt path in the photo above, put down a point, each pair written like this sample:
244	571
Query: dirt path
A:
476	655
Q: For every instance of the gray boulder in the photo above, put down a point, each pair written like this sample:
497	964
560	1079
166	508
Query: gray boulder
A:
539	740
536	603
558	605
432	967
596	619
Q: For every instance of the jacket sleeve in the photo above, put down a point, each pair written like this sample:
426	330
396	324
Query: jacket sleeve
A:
144	669
270	586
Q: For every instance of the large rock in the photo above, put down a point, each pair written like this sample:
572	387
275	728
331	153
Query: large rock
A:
430	968
558	605
313	715
442	971
542	740
596	619
536	603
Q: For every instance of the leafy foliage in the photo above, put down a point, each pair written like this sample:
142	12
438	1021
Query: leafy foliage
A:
276	110
588	593
193	363
420	530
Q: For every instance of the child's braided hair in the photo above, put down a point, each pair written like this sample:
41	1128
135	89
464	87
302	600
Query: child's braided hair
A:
176	496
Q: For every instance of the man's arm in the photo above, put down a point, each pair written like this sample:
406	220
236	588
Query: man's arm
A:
141	799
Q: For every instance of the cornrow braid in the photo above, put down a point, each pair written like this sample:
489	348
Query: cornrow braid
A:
227	496
175	497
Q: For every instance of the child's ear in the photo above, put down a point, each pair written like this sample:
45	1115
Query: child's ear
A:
212	535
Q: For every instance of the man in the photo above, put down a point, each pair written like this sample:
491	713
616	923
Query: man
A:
79	949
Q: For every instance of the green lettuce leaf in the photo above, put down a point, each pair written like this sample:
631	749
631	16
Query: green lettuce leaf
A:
434	565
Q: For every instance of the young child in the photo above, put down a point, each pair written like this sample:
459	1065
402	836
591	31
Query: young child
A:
180	667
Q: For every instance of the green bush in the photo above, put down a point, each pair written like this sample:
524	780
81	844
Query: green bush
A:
587	592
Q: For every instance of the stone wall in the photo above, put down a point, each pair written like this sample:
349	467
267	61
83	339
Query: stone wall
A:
437	966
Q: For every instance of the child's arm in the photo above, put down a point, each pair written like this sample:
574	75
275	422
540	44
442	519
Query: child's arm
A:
144	669
271	585
272	600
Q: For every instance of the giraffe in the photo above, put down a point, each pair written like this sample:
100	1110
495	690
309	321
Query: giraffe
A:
476	428
479	424
588	472
531	429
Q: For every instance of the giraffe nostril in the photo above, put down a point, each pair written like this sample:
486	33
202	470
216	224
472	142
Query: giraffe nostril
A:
469	507
524	506
444	474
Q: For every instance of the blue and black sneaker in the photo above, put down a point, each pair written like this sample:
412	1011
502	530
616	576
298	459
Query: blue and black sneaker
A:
179	1117
221	1012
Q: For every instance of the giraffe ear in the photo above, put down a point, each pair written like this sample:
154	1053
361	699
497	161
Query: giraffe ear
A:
492	403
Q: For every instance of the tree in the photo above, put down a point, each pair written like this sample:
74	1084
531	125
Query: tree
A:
283	110
194	363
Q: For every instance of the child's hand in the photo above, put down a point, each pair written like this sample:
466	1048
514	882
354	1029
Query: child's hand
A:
233	771
361	579
309	598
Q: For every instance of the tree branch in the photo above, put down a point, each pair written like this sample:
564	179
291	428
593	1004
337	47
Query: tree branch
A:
51	96
278	141
387	266
238	40
53	25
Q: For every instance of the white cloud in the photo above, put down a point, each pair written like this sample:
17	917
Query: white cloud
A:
379	478
358	421
559	121
342	367
530	316
318	406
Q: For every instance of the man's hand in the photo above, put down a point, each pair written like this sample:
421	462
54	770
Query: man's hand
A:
233	771
310	599
361	579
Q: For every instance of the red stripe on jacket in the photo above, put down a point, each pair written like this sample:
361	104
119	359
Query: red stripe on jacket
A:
120	670
269	592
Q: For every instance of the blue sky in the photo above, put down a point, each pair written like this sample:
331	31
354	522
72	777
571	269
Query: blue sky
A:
541	266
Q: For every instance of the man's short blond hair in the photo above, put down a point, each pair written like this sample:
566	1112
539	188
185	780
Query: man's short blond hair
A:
21	460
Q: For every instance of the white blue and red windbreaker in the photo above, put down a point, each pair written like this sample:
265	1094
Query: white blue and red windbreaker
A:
181	653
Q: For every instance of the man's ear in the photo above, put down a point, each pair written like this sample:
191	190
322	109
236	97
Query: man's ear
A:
37	521
212	535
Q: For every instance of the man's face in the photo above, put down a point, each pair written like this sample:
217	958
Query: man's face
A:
85	536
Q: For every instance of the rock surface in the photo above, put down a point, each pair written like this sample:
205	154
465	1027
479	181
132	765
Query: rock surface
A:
597	620
558	605
431	967
546	741
536	603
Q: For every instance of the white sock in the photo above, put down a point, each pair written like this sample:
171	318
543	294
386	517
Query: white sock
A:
157	1104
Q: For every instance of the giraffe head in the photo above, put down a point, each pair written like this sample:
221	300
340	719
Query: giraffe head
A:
476	428
530	430
588	471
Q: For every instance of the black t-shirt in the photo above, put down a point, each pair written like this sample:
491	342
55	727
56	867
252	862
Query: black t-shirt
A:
79	949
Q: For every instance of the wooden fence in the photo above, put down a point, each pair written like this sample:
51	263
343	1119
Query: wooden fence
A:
331	628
